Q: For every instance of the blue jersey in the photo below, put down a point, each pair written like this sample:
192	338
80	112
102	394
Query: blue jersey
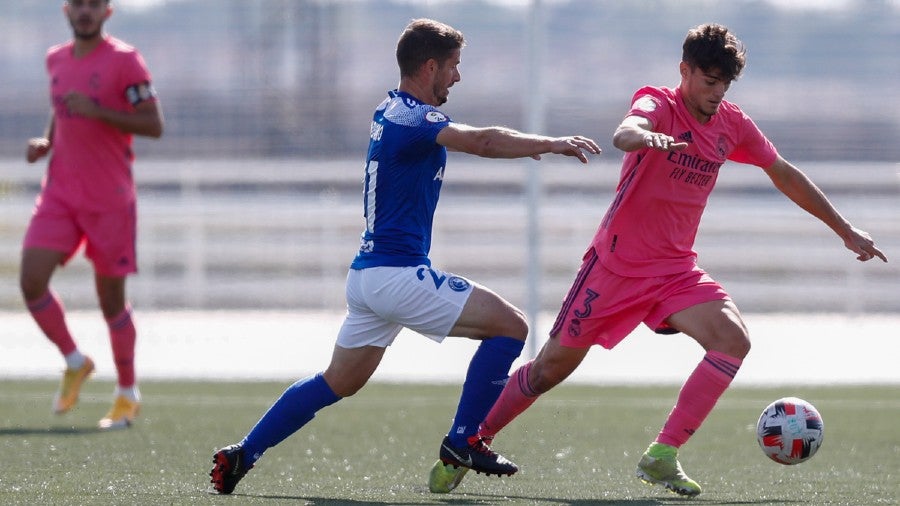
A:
404	172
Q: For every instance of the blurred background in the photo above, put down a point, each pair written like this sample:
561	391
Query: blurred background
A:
251	200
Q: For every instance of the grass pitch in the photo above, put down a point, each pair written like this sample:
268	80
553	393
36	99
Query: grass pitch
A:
578	445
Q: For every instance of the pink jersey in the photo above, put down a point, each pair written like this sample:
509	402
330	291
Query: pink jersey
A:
90	167
649	228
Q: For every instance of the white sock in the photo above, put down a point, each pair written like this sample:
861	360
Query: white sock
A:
131	393
74	360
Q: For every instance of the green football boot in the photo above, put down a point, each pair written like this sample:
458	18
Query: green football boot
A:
445	477
659	465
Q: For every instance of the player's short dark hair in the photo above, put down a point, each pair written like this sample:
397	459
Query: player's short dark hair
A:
712	47
424	39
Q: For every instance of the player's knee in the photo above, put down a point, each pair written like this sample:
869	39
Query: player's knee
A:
516	325
739	342
735	344
343	386
32	287
112	307
520	326
346	392
742	347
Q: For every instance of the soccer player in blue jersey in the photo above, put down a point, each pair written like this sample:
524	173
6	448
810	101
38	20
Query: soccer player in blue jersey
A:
391	283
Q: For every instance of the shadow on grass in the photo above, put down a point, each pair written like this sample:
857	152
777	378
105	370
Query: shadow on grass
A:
468	499
507	499
327	501
643	501
50	431
483	499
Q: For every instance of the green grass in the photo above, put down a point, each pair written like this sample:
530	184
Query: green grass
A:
576	446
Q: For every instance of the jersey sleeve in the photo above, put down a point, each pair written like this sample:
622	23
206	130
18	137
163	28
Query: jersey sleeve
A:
753	147
651	103
136	80
425	128
433	121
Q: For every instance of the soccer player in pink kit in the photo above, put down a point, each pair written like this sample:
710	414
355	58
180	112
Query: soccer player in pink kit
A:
641	267
100	96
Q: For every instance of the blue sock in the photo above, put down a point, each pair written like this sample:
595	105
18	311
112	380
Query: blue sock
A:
294	409
488	372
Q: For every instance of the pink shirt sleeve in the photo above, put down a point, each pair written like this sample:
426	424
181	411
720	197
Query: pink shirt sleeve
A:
653	104
136	80
754	148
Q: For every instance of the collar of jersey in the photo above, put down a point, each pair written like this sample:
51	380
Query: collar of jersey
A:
405	96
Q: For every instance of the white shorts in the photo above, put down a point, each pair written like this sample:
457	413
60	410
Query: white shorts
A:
383	300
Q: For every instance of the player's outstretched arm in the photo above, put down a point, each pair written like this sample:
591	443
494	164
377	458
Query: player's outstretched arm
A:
861	243
636	132
500	142
799	188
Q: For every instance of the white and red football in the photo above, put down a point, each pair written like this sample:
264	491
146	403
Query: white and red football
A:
790	431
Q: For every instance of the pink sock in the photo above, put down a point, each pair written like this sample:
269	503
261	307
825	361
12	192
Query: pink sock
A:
122	336
49	314
699	394
515	398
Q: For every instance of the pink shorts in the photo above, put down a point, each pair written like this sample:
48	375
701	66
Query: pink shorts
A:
603	307
108	236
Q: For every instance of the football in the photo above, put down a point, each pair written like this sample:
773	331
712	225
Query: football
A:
790	431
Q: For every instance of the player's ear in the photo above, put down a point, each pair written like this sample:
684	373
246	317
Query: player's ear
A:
684	69
433	65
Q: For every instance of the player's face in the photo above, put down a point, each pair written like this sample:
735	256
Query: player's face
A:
447	74
703	92
87	17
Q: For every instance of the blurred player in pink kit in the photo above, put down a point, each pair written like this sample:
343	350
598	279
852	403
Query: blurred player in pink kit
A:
641	267
100	95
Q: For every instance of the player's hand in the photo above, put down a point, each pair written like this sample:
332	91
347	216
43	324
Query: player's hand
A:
38	147
662	142
81	104
861	243
576	146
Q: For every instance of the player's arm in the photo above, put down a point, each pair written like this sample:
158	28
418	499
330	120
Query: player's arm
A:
802	191
38	147
146	119
500	142
636	132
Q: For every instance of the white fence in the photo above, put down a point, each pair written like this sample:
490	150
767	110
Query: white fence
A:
279	234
